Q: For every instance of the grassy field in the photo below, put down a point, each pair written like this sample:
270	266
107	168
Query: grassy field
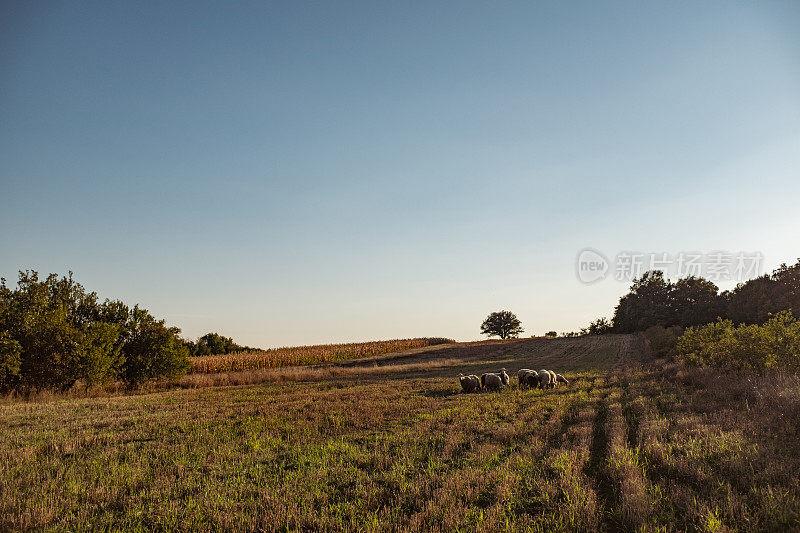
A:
391	445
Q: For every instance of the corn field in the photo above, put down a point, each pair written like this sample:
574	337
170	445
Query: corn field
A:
304	355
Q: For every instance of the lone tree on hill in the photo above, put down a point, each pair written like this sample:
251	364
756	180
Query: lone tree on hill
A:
503	324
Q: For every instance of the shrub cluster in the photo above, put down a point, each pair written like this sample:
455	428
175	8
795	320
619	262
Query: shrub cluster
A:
773	344
53	334
663	341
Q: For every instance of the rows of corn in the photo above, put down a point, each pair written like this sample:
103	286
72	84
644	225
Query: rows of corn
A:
305	355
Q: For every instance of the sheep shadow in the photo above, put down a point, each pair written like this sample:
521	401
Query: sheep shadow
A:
439	393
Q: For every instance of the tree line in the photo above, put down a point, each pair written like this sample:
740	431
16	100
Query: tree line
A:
54	334
751	327
694	301
215	344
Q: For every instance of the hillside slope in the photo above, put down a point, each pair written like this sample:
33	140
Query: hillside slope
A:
565	354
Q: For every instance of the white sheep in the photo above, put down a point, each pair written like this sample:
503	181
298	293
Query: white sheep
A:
544	379
469	383
562	379
504	376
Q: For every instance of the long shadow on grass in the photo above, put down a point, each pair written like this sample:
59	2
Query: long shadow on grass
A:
630	415
597	469
439	393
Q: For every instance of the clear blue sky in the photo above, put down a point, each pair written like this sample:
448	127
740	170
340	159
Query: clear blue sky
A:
290	173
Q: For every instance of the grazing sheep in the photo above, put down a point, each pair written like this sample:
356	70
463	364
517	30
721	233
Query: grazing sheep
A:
562	379
553	381
494	380
469	383
544	379
503	376
527	377
491	381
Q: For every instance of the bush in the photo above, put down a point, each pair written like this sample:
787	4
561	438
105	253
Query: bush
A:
775	344
663	340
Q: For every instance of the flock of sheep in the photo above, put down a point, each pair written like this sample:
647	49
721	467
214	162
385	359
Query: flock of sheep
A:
544	379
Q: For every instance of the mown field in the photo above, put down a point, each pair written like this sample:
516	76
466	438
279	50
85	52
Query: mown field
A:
631	443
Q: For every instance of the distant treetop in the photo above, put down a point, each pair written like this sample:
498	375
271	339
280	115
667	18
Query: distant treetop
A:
503	324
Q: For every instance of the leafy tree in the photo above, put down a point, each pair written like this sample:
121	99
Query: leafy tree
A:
551	334
151	349
214	344
99	353
693	301
503	324
50	347
598	327
37	317
788	277
10	357
647	304
755	301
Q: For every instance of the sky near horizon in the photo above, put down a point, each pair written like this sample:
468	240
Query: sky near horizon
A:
297	173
